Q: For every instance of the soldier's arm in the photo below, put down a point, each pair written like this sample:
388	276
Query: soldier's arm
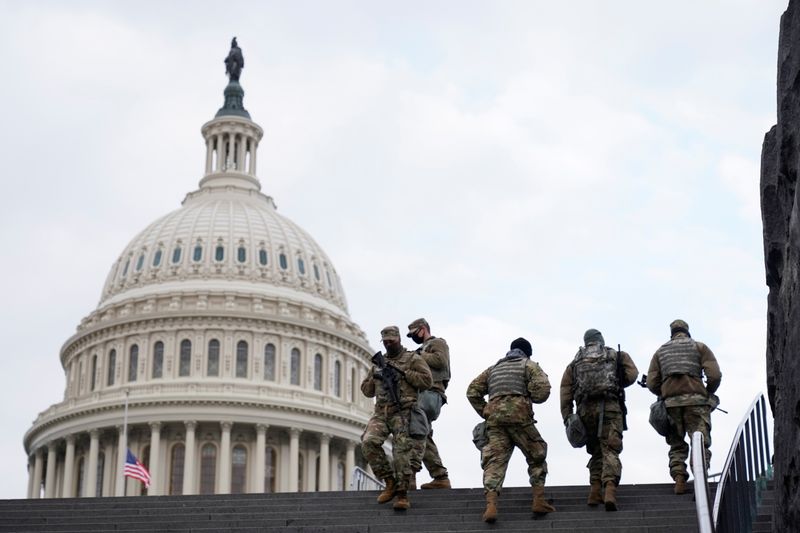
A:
654	377
566	392
538	383
368	384
418	374
629	370
710	367
437	354
477	391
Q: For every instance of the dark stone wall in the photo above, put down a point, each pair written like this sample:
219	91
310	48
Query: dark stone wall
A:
780	212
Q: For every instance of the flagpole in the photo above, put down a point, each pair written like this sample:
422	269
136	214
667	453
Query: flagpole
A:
122	452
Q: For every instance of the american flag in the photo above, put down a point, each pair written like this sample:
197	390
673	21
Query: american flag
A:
136	470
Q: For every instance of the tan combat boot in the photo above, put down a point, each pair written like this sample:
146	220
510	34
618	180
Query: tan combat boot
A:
437	483
490	514
540	505
401	503
610	498
595	498
680	485
388	492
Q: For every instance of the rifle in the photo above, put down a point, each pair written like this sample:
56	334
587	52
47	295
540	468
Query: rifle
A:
620	378
389	375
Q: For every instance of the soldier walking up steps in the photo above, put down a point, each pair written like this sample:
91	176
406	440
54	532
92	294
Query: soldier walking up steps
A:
512	384
595	381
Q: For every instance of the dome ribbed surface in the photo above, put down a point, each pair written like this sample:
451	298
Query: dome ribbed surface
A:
225	234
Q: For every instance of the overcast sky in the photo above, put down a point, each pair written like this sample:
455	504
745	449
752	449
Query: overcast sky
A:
504	169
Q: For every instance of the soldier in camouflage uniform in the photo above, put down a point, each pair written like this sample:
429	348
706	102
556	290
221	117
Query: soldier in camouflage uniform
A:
436	353
676	374
511	384
593	381
391	418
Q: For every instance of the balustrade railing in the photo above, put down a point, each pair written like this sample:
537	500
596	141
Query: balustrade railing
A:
747	469
363	481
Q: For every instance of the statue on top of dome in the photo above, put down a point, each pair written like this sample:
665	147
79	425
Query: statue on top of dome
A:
234	63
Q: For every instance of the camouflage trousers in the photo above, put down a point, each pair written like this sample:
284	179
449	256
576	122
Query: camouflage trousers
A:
497	452
431	459
604	464
406	451
687	419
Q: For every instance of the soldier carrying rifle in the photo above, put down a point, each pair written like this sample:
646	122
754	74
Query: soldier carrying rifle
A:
395	381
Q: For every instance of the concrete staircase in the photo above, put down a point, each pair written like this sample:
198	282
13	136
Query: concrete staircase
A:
643	509
763	521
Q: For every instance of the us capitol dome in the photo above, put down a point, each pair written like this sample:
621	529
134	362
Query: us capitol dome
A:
225	327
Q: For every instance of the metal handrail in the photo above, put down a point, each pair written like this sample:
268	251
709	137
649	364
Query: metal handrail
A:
363	481
748	463
702	499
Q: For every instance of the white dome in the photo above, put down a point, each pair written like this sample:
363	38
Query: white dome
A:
223	239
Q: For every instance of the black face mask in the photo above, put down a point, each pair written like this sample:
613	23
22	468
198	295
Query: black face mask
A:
394	349
416	338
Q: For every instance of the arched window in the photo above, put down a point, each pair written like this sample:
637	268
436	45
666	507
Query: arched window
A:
241	254
213	358
318	372
101	467
316	272
80	377
176	255
81	478
355	386
301	473
269	362
125	270
270	462
239	470
241	359
140	262
208	468
262	257
185	364
144	458
133	362
176	469
281	259
301	266
94	371
158	359
337	379
197	254
157	258
219	253
294	367
112	366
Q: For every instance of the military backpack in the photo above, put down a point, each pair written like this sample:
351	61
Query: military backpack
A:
595	372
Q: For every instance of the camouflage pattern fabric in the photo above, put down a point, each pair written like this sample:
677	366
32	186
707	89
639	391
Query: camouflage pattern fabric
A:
497	452
432	460
687	419
406	451
604	464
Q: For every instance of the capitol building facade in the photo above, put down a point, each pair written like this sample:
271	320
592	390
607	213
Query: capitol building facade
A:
224	326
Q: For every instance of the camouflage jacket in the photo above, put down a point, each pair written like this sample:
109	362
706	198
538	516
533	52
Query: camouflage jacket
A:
436	353
416	377
683	390
567	388
505	410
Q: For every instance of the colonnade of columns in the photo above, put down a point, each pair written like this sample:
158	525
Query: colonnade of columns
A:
231	150
301	460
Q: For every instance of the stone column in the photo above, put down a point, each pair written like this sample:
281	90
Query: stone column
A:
155	466
225	459
188	461
90	491
220	152
253	150
311	470
294	458
29	492
122	453
50	478
283	458
261	445
240	154
324	463
209	151
69	468
38	465
108	469
349	464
